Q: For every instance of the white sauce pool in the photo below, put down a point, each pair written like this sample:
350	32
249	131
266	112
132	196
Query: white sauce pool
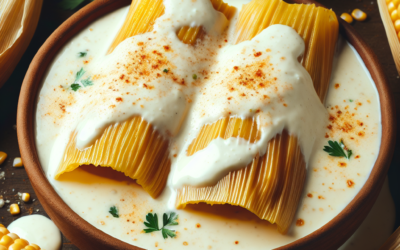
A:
37	229
332	182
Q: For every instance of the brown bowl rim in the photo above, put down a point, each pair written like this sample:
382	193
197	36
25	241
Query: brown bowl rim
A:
335	232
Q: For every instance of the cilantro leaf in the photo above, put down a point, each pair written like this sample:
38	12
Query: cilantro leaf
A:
165	70
167	232
82	54
75	86
338	150
114	211
87	82
194	76
79	74
152	224
152	221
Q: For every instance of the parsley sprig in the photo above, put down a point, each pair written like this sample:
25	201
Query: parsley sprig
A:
78	83
82	54
338	149
152	224
114	211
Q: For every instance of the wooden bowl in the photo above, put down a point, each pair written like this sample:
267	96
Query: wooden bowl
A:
85	236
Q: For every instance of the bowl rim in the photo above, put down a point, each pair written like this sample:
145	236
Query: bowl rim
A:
333	232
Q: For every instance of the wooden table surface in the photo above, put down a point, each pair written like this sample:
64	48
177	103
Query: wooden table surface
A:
16	179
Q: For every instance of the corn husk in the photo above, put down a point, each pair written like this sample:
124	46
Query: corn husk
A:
390	32
18	20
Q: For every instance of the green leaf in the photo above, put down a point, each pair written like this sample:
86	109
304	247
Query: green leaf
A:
79	74
167	232
165	70
338	150
87	82
194	76
171	221
152	221
75	86
114	211
349	153
152	224
70	4
82	54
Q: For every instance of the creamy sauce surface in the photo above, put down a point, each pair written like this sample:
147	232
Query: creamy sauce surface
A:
352	105
37	229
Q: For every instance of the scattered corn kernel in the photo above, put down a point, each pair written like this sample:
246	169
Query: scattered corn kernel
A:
394	15
347	17
14	209
3	157
2	203
17	162
359	15
25	197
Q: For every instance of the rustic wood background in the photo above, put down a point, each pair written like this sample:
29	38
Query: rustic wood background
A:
16	179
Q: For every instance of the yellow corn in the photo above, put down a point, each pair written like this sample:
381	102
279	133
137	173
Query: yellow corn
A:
359	15
3	157
11	241
25	197
394	10
17	163
18	20
347	17
271	186
14	209
134	147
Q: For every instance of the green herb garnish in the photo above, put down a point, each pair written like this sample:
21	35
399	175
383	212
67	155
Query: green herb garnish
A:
351	100
152	224
165	70
70	4
82	54
194	76
338	149
114	211
78	83
75	86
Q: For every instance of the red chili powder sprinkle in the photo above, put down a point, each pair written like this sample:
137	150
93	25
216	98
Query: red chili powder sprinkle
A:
309	195
236	242
300	222
350	183
198	225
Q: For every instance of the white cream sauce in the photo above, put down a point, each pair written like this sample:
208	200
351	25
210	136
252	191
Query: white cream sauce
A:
37	229
330	185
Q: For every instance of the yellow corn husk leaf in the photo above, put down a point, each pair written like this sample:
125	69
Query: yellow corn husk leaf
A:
132	147
271	186
143	13
18	20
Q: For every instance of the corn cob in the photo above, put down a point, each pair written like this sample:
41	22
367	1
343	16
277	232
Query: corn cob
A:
134	147
271	186
11	241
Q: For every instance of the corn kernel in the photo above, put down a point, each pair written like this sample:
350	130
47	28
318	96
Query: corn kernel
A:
396	2
394	15
13	236
18	244
3	231
359	15
3	247
6	241
14	209
25	197
346	17
387	1
33	247
3	157
17	162
391	7
397	25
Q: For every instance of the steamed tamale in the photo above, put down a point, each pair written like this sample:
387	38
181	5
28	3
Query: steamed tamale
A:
134	147
271	186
